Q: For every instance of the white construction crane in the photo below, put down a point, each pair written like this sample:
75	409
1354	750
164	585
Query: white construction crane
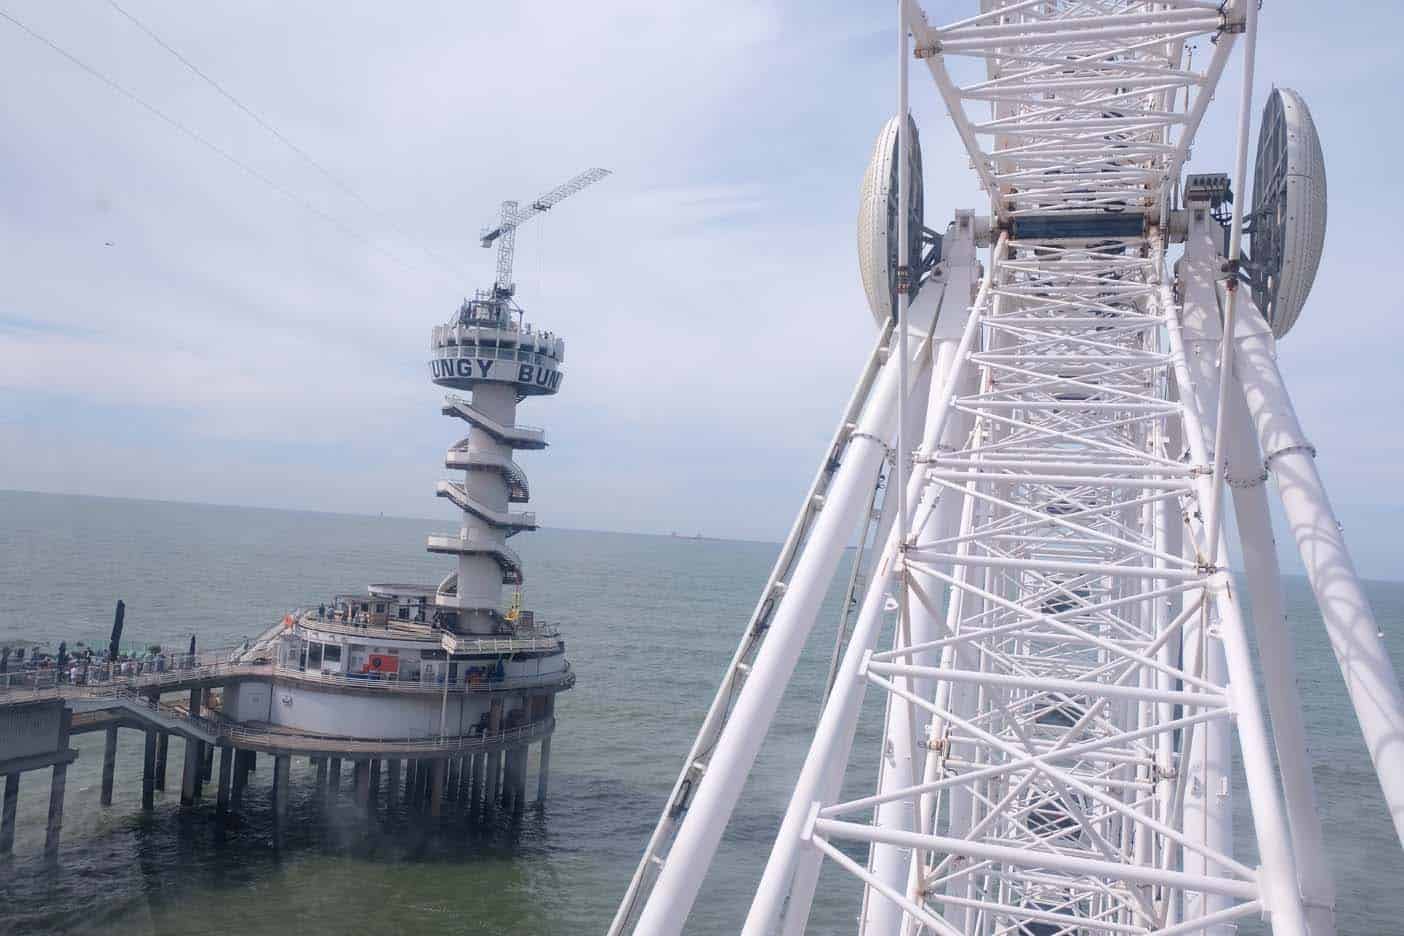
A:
513	216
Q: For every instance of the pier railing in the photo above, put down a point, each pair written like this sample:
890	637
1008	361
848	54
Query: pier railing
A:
215	727
117	679
565	678
152	673
254	737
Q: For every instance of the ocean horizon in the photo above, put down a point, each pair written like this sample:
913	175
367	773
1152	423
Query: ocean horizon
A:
649	622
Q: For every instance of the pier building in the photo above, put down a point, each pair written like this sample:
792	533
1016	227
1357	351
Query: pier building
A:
431	693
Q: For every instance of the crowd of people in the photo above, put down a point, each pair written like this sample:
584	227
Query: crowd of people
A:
84	666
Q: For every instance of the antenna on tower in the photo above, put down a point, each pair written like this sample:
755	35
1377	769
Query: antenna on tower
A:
513	216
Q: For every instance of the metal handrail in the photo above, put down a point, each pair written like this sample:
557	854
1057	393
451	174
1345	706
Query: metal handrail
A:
454	400
370	680
483	741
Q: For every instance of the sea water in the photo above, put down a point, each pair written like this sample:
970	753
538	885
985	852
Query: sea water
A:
650	623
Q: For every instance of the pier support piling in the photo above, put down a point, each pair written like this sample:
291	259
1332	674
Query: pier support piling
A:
194	759
519	777
334	775
436	788
361	781
239	780
7	814
423	773
190	774
373	800
226	777
56	791
163	740
55	825
494	760
207	761
394	790
543	772
109	765
281	763
321	765
479	778
494	779
149	760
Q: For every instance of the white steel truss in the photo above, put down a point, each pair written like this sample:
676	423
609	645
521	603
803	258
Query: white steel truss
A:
1069	679
1071	714
1091	104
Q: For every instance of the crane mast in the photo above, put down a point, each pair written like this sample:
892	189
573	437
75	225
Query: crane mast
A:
513	216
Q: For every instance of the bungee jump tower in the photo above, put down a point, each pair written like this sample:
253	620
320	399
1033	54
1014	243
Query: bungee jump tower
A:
456	672
426	694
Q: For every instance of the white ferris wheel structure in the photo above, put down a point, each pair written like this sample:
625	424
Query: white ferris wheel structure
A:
1067	396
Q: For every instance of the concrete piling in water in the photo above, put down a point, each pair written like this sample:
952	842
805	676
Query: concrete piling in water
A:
109	766
361	781
57	786
451	780
479	780
509	777
411	772
226	778
321	764
394	790
194	760
436	789
207	761
494	759
281	763
190	773
543	771
373	799
149	760
163	740
334	775
519	781
7	814
55	824
239	780
494	779
423	771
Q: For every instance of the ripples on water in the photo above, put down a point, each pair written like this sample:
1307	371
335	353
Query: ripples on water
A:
650	624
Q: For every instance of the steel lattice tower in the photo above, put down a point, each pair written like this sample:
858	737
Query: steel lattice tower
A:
1061	427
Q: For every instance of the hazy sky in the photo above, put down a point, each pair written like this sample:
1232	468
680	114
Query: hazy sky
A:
172	327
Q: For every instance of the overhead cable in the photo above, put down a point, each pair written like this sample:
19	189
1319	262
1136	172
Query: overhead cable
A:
307	157
206	142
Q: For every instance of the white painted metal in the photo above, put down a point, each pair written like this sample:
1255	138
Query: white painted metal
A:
1201	287
729	759
1289	209
1070	674
1350	622
878	253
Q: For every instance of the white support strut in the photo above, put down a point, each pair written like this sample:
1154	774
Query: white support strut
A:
1068	690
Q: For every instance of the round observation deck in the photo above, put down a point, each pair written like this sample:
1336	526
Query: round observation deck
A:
487	344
